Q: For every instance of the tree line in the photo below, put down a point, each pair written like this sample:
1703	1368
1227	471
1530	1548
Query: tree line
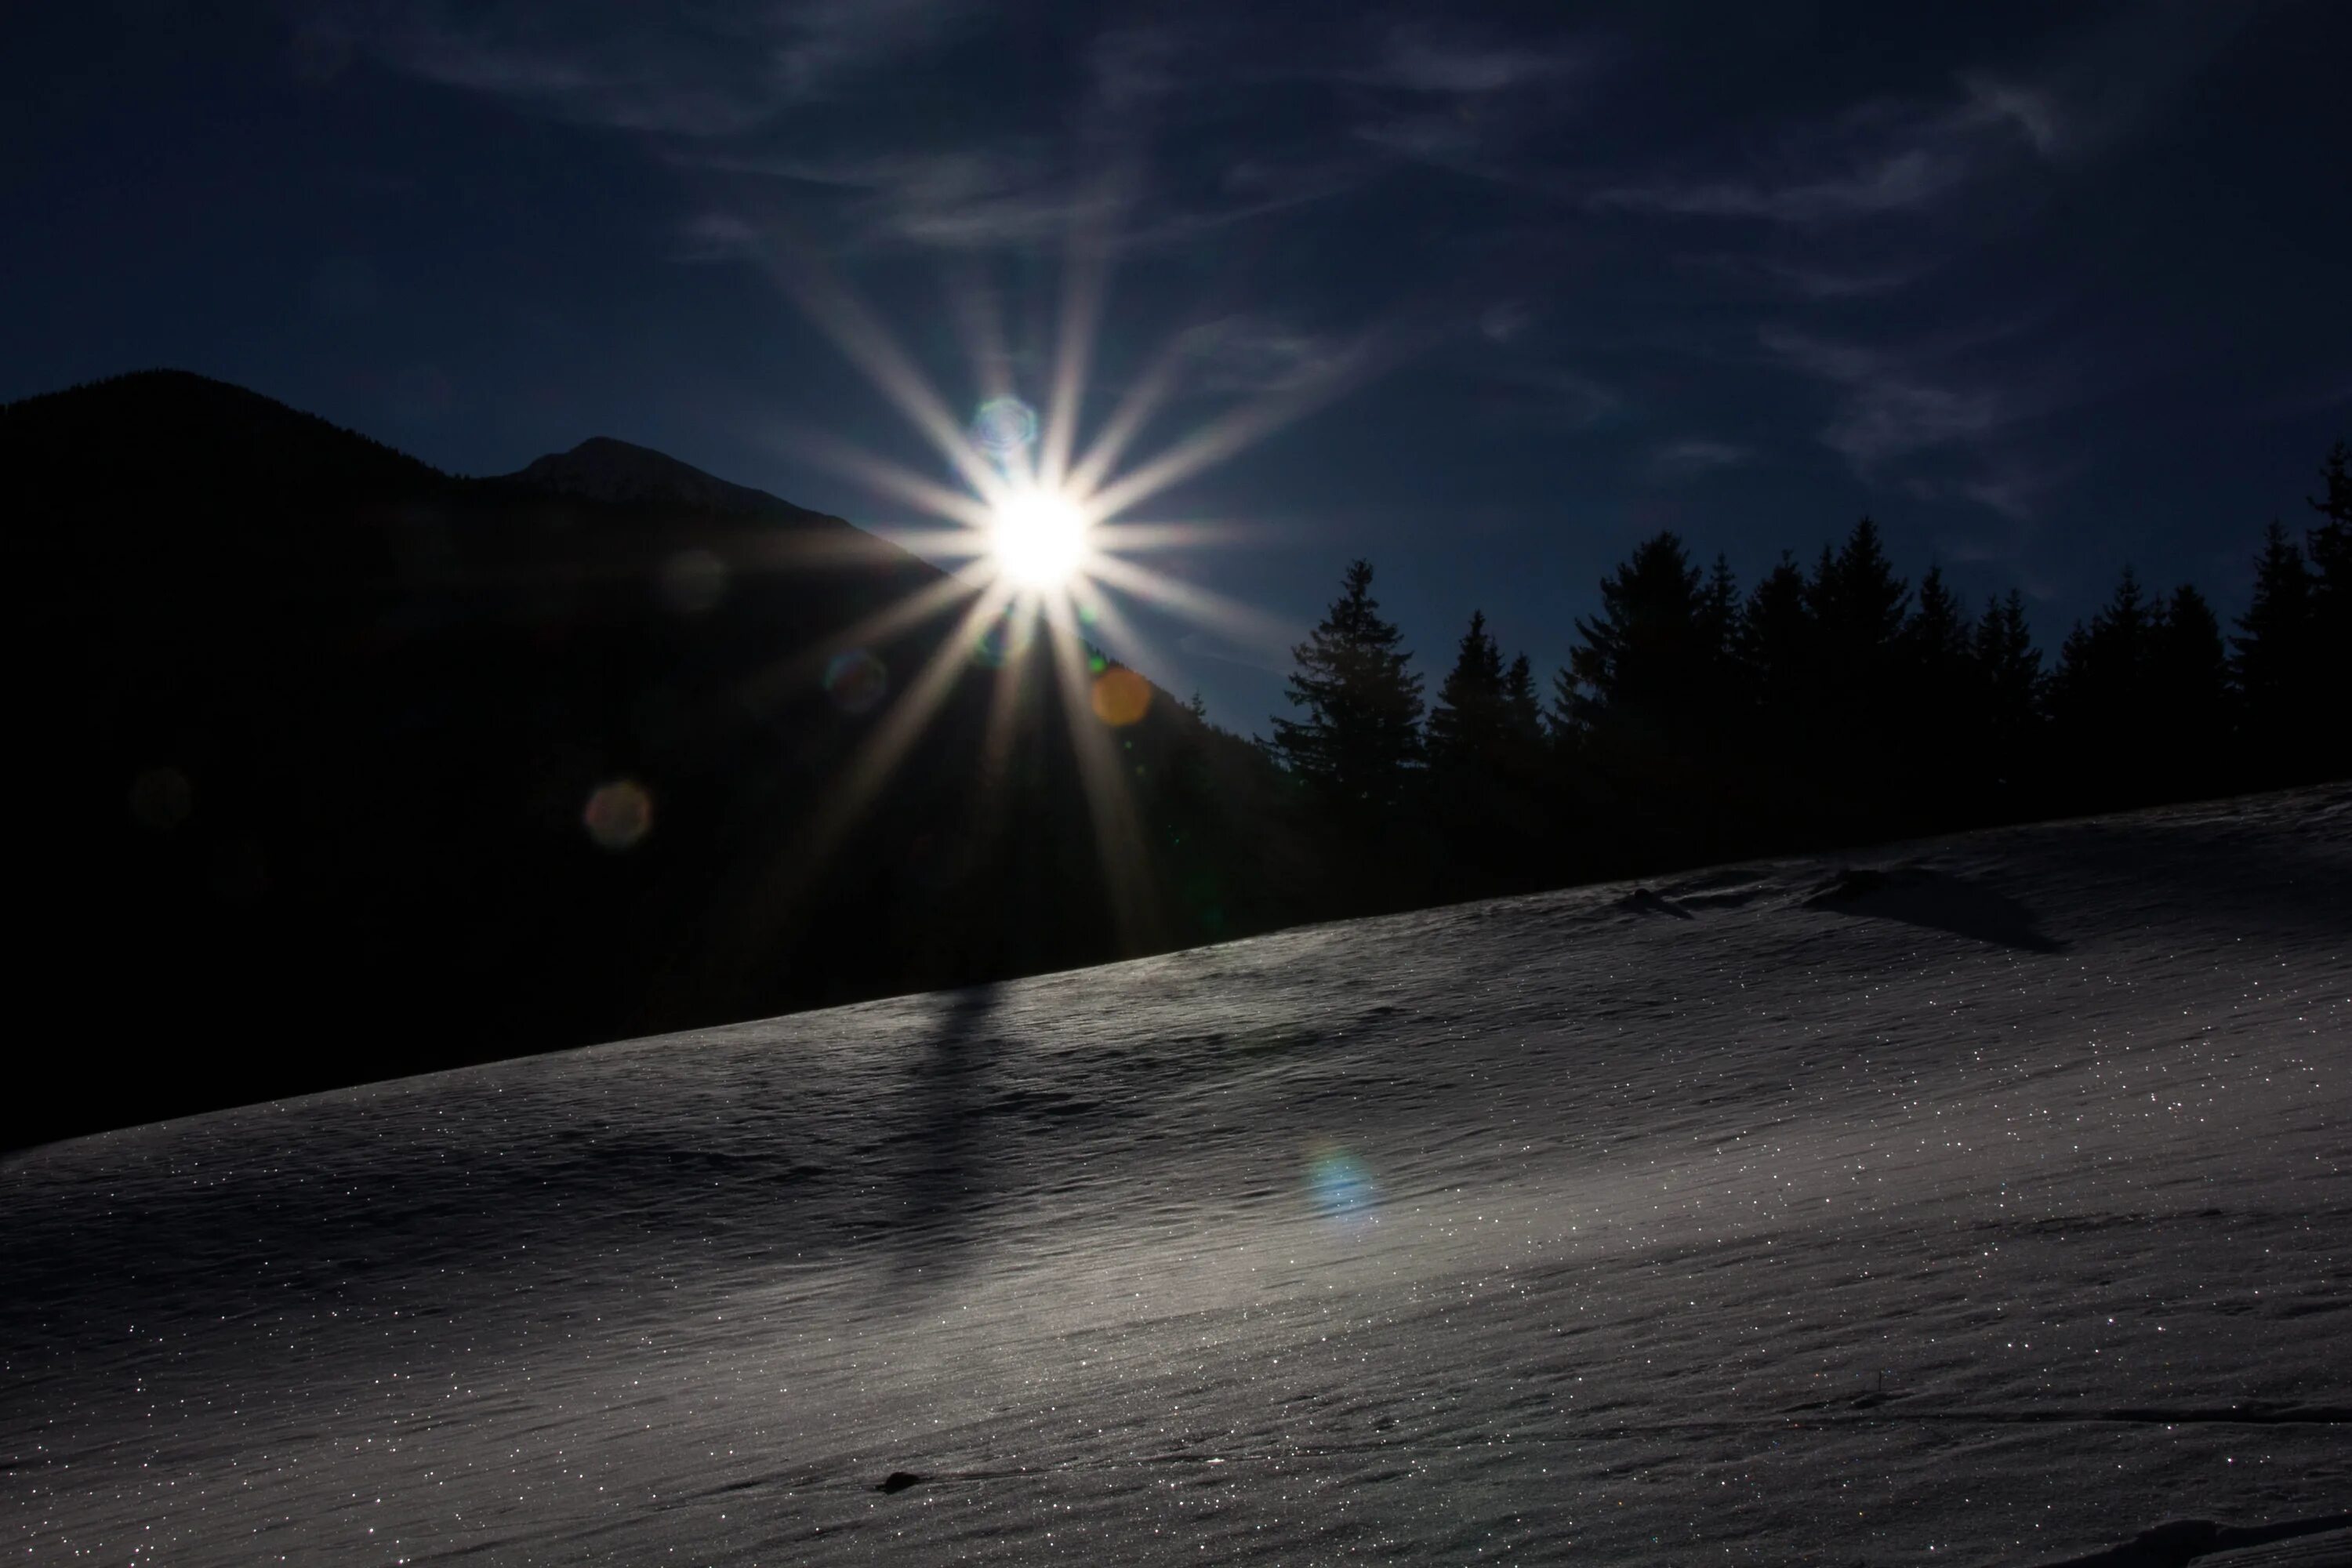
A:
1826	704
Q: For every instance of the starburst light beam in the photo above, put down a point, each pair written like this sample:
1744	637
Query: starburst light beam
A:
1135	406
869	346
877	629
887	744
1111	803
1222	437
854	462
1086	285
1244	624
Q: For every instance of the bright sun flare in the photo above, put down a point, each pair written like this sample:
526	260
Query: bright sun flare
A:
1040	538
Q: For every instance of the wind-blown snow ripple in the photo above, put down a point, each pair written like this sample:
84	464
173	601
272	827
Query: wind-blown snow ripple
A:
1801	1229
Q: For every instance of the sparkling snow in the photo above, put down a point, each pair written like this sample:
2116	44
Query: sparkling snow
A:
1994	1210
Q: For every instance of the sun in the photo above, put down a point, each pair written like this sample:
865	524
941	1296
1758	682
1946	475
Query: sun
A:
1040	538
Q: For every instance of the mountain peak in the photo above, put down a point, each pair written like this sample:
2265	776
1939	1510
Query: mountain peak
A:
622	473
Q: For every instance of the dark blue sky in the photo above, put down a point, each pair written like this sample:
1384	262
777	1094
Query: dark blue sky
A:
2044	287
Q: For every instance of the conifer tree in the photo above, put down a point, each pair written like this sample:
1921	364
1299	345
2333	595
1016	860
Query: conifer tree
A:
2099	664
1933	681
1774	648
1486	751
1776	645
2331	542
1645	658
2187	703
1718	613
1644	702
1355	747
1936	638
2101	698
1564	715
1467	724
2330	547
2272	662
2007	676
1858	604
1522	710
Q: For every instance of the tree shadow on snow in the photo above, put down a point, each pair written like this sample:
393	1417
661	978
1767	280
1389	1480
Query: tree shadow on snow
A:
940	1181
1915	895
2184	1541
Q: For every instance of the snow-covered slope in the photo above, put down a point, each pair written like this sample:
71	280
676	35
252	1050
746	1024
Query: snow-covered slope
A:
1989	1206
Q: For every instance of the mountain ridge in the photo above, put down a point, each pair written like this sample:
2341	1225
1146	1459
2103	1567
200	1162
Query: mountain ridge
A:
614	472
474	767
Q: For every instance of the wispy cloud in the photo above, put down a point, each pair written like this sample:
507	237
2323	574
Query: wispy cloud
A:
704	71
1891	406
1506	319
1693	456
1831	282
2015	493
715	236
1880	160
961	199
1237	48
1271	657
1259	354
1558	397
1418	59
1896	181
1016	193
1918	418
2035	113
1454	100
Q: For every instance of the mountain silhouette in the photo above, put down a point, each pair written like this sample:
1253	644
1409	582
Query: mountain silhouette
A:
620	473
338	767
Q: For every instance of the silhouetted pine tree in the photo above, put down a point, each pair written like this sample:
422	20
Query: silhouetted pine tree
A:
1857	604
2274	665
1522	711
1574	787
1935	687
1936	640
1356	749
2330	546
1645	698
2100	699
1774	648
2187	703
1528	771
1644	655
2331	542
2006	671
1466	726
1486	747
1718	613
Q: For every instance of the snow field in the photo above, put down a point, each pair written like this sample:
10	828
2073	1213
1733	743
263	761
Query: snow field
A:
1992	1208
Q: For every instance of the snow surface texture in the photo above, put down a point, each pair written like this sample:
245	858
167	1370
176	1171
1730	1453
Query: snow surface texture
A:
1981	1201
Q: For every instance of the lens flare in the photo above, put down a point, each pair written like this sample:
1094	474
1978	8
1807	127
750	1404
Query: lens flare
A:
1120	696
1342	1187
1004	429
619	815
856	680
1040	538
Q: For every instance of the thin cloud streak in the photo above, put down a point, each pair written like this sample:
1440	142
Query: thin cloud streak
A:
1695	455
708	72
